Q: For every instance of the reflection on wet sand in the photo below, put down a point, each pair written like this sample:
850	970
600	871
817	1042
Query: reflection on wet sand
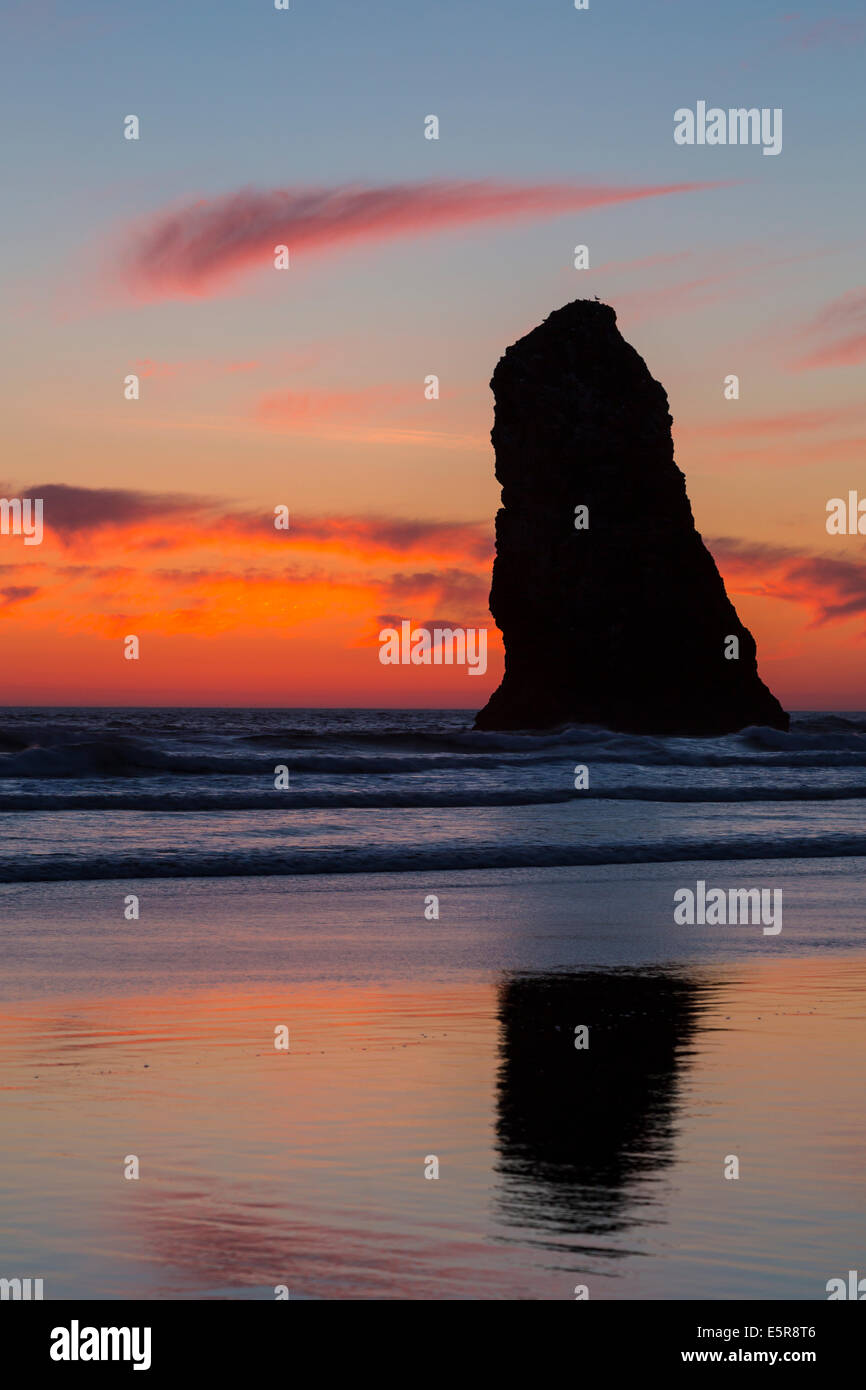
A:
579	1126
558	1165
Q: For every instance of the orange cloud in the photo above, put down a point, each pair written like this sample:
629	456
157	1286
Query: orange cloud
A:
244	613
14	594
834	590
241	611
96	573
136	521
305	407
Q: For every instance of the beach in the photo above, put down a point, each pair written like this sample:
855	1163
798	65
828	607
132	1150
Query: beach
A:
559	1168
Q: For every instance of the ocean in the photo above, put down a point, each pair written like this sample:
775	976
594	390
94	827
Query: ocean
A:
472	962
108	793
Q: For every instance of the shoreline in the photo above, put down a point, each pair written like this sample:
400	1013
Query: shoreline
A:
362	863
74	937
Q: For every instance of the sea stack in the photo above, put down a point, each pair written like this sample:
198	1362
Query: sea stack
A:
615	615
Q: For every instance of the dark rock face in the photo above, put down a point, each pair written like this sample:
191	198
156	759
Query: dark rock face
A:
624	624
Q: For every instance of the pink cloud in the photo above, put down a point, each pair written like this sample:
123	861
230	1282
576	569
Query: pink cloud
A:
194	249
846	353
204	367
830	30
714	280
794	422
670	299
304	407
799	35
644	262
838	333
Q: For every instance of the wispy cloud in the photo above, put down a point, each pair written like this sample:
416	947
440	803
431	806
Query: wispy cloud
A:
837	333
154	521
833	590
796	33
228	568
13	594
794	422
194	249
183	564
744	271
308	407
71	511
206	368
832	30
375	414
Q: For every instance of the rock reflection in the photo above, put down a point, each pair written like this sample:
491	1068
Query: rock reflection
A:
580	1130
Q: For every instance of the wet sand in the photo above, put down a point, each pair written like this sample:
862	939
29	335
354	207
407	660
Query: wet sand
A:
408	1039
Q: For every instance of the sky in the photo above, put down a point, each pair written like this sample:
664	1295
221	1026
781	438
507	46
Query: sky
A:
409	257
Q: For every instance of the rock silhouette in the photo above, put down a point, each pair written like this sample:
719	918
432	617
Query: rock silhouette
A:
625	623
